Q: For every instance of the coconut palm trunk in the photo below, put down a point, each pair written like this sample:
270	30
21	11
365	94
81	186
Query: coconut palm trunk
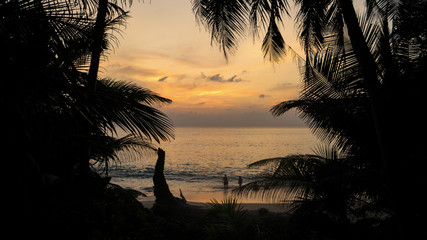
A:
98	36
96	50
368	69
379	113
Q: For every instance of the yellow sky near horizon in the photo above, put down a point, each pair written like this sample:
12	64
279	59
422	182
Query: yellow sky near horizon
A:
165	50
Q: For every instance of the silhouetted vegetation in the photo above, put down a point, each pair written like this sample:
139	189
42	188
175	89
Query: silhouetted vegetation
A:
362	93
228	220
57	125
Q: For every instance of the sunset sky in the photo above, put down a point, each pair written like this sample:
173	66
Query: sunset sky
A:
163	49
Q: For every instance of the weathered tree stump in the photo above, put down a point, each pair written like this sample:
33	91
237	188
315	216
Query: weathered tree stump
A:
166	204
161	188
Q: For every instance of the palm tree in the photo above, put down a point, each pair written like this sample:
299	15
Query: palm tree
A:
56	124
327	184
106	11
318	20
43	42
98	38
130	108
380	60
334	98
51	122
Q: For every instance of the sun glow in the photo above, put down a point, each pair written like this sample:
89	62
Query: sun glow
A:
210	93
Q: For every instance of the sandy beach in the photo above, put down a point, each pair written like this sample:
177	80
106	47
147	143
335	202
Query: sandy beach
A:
250	206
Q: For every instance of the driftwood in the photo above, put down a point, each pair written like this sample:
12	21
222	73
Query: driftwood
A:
166	204
161	189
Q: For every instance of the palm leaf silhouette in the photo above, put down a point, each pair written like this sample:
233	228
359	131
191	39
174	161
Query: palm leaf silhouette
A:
225	19
107	150
128	106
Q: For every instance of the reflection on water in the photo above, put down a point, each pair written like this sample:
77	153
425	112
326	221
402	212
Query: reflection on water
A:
198	158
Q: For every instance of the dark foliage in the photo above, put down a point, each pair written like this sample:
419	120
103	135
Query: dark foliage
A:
56	126
363	93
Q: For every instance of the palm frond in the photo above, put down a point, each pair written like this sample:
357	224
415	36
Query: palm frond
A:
312	23
383	8
292	164
281	108
225	20
334	95
59	27
134	92
330	179
331	79
108	150
258	16
229	206
273	44
124	105
335	28
330	124
90	7
113	29
287	178
327	152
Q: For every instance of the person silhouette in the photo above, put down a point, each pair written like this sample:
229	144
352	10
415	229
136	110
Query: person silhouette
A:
240	181
225	180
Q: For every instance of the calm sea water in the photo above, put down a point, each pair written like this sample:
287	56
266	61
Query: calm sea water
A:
198	158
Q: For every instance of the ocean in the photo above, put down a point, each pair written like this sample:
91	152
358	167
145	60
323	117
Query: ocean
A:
198	158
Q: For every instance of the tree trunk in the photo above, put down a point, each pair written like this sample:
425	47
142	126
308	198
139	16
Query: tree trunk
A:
97	44
384	121
368	69
96	49
161	188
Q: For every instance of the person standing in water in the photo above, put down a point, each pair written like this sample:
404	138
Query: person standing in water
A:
240	181
225	180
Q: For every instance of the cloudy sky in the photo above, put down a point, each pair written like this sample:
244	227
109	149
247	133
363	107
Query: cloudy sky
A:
164	49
